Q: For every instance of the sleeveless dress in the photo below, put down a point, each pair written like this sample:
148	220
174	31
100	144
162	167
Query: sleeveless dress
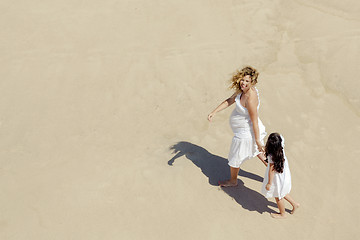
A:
243	145
281	184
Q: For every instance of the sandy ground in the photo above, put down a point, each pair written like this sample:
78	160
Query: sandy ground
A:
103	130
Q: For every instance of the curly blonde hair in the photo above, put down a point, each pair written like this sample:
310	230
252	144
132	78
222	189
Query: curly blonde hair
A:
235	80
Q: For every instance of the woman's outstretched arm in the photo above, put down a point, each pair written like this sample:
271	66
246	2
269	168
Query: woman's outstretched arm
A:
222	106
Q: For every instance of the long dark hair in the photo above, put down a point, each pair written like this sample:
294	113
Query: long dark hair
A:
274	148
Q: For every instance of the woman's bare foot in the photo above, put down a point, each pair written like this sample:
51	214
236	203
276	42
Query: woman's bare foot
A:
296	206
228	183
278	215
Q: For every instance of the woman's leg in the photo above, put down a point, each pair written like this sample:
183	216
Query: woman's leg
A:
233	178
281	206
292	202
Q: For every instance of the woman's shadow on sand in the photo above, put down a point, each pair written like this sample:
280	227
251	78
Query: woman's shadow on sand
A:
217	169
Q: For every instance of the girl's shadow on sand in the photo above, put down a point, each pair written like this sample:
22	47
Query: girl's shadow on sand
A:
216	168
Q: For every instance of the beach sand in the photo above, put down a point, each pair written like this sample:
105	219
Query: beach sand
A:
103	108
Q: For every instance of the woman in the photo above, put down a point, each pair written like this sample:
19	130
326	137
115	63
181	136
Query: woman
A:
249	132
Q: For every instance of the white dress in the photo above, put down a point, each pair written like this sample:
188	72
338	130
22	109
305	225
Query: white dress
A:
243	145
281	184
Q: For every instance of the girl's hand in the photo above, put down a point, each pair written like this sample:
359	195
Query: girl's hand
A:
210	116
260	146
268	186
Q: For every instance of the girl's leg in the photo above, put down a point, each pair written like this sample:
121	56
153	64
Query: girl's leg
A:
281	206
262	157
233	179
292	202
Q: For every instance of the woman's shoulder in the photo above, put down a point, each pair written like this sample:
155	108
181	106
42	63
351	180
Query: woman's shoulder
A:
253	97
254	92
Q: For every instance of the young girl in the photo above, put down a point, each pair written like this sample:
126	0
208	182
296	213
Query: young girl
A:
277	180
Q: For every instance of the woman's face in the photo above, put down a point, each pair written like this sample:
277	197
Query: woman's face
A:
245	83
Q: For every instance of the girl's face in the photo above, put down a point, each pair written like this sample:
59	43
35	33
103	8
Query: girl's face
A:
245	83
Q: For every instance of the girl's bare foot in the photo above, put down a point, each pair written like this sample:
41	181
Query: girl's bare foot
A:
228	183
278	215
296	206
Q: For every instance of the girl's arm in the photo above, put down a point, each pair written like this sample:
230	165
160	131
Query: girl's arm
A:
252	104
271	176
222	106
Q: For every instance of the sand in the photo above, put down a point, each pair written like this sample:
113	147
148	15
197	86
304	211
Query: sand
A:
103	108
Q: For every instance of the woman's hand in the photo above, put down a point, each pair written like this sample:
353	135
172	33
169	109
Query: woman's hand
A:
210	116
268	186
260	146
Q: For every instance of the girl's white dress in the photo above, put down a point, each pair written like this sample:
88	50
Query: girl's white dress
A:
281	184
243	145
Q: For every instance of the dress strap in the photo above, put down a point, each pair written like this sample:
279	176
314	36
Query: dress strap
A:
282	141
283	145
